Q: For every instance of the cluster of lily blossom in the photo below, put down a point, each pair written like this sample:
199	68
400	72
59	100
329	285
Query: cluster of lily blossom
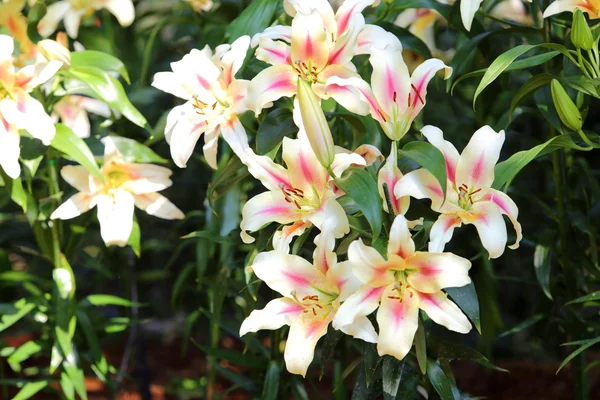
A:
310	61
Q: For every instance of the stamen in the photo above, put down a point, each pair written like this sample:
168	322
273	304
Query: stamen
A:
395	96
411	294
314	312
394	297
418	94
382	116
478	190
297	205
320	306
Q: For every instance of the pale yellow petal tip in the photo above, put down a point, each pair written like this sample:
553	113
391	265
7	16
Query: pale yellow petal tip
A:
246	238
448	72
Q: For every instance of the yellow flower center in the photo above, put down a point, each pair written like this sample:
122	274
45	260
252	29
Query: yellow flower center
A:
299	198
466	196
306	72
114	177
210	112
85	5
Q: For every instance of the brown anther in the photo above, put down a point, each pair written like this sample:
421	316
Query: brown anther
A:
418	94
409	99
214	105
305	297
395	96
318	305
476	191
400	284
394	297
297	205
305	311
470	200
411	294
315	297
408	286
382	116
332	37
299	191
304	65
314	312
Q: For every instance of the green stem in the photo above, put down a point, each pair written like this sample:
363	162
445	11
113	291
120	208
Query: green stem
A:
54	190
581	64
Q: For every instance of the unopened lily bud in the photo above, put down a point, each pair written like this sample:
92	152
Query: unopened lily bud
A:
315	124
581	34
53	51
566	109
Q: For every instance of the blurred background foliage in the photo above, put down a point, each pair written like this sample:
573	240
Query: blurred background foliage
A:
166	323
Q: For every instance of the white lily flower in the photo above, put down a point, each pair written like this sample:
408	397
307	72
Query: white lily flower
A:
73	112
125	186
214	99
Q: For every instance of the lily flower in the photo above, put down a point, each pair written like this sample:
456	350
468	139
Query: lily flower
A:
72	11
125	186
18	110
469	196
12	18
400	285
73	112
389	175
468	9
214	99
591	7
421	23
396	97
321	46
311	297
301	194
200	5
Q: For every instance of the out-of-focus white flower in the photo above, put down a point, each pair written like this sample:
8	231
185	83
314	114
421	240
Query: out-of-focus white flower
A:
73	112
72	11
214	99
200	5
125	186
591	7
18	110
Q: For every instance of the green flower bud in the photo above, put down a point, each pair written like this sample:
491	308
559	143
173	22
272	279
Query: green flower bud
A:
315	124
581	34
567	110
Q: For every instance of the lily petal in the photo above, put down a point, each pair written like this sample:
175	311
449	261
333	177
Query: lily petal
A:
368	265
400	242
558	7
115	214
390	79
73	207
398	320
420	184
468	8
54	14
158	205
331	209
277	313
507	207
123	10
342	277
444	312
72	21
309	43
491	228
27	113
363	302
442	230
79	177
361	328
476	165
324	257
435	136
273	52
283	237
272	175
233	60
304	170
346	95
271	84
277	32
375	36
436	271
263	209
146	178
183	131
9	149
389	175
301	343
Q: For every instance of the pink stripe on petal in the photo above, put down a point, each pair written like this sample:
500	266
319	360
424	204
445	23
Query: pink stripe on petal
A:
435	189
297	279
272	210
498	201
281	84
205	84
429	299
478	168
390	83
292	308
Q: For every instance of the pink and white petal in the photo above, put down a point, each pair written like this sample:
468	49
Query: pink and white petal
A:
442	230
277	313
211	147
390	79
476	164
7	47
330	210
232	61
344	160
123	10
263	209
27	113
32	76
309	41
435	136
324	257
288	274
73	207
369	153
436	271
273	52
183	137
198	72
277	32
368	265
362	303
348	10
272	175
54	14
355	86
301	342
170	83
420	184
236	92
9	149
400	242
468	9
235	136
283	237
340	275
115	214
304	169
375	36
507	207
146	178
419	81
491	227
346	42
72	21
444	312
348	96
389	175
271	84
398	320
361	328
323	7
558	7
79	177
75	118
95	106
158	205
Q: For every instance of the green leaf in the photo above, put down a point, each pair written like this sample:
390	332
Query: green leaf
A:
100	365
233	356
30	389
498	66
440	382
21	308
22	353
421	347
428	157
16	190
361	187
408	40
391	375
98	59
585	345
533	84
523	325
277	125
132	150
73	146
271	385
107	300
206	234
466	298
254	19
135	239
110	90
588	297
455	351
541	261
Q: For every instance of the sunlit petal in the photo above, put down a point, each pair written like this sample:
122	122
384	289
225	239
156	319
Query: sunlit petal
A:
400	241
115	214
476	165
368	265
442	230
263	209
444	312
157	205
277	313
436	271
420	184
363	302
398	320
